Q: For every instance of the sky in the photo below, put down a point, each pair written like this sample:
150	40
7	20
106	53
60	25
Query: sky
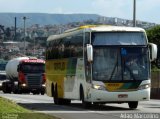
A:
146	10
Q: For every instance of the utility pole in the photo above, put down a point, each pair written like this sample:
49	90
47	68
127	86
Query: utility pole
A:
134	13
34	38
24	18
15	28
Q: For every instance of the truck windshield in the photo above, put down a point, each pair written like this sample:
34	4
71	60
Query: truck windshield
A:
120	63
33	68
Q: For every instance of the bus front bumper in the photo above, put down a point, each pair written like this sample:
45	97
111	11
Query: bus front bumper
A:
105	96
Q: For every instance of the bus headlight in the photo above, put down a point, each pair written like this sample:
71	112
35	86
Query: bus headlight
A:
145	86
99	87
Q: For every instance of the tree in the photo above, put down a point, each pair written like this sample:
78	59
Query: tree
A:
154	35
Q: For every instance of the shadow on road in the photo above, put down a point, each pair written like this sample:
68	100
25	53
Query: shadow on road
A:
71	107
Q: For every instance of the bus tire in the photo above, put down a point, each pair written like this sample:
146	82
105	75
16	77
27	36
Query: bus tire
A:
85	104
52	90
59	101
133	105
55	97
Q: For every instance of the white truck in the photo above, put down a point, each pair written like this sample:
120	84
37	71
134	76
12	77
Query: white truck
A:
25	75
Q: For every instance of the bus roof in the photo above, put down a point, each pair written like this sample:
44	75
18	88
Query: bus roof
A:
96	28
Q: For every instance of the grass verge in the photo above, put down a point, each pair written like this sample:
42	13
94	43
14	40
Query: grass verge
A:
10	110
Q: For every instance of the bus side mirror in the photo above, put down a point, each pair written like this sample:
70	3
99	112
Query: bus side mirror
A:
153	51
89	53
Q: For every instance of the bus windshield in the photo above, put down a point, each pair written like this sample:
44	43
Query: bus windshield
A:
119	38
33	68
120	63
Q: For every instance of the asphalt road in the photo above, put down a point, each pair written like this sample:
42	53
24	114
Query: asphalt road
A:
44	104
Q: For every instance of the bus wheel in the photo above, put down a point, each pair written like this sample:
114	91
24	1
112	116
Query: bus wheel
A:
56	100
133	105
84	103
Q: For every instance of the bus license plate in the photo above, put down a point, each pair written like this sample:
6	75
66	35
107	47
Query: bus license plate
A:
122	96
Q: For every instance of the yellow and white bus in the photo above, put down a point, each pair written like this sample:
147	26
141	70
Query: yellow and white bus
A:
99	64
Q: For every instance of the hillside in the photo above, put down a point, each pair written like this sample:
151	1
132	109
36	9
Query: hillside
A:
7	19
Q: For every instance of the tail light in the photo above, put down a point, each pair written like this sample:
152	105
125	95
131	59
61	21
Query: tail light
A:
43	78
22	77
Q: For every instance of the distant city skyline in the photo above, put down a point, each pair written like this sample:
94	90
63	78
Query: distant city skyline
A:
147	10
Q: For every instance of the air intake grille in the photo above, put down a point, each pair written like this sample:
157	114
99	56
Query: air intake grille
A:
34	80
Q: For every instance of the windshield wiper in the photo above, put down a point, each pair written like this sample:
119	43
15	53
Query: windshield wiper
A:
124	66
130	71
113	71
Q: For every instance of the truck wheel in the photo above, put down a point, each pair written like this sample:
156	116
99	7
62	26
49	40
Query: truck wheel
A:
14	90
6	88
20	91
15	87
35	92
42	92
